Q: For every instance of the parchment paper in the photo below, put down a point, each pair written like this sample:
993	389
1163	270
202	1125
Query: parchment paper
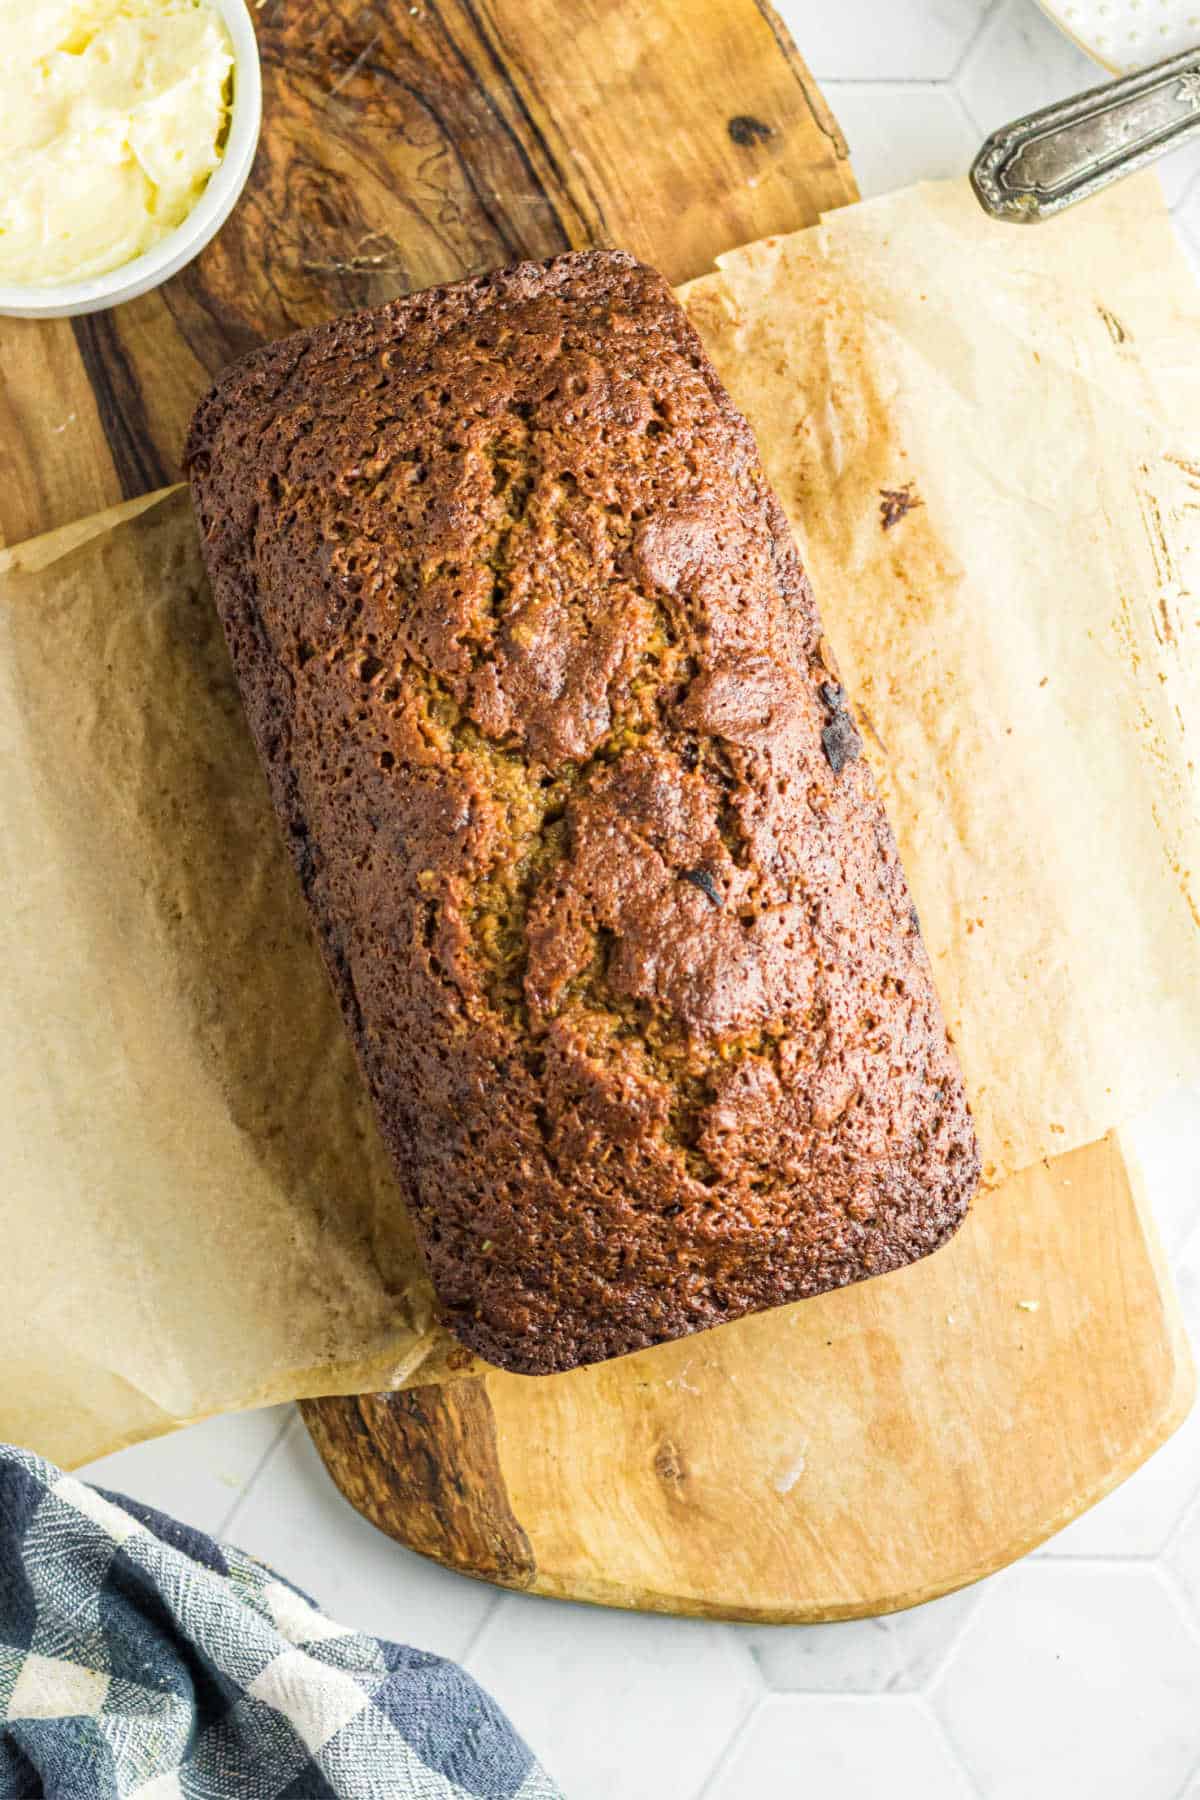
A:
1023	645
197	1212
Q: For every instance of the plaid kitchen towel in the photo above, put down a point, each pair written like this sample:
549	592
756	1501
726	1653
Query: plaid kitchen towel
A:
138	1657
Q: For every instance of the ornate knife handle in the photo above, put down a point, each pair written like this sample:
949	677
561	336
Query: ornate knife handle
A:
1040	164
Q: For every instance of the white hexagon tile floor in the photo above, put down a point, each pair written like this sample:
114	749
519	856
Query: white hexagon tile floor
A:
1075	1674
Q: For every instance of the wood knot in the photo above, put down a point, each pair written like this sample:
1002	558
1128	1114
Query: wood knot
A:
745	130
668	1463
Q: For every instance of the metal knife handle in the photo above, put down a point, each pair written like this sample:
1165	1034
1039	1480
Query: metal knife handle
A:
1040	164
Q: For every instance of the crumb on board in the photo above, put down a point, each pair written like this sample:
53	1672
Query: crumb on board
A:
789	1475
1028	1305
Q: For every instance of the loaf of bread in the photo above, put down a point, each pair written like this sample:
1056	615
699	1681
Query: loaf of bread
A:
603	884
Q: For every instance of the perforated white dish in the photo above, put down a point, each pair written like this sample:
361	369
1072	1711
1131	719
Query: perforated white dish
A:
1128	34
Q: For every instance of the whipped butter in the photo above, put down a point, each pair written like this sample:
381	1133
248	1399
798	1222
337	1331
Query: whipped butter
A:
112	118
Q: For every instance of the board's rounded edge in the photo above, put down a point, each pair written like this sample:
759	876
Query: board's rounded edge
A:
421	1465
446	1497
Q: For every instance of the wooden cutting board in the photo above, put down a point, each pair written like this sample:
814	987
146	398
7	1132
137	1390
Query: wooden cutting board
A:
850	1455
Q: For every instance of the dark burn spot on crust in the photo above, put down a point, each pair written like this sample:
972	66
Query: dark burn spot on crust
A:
745	130
524	641
894	503
839	739
702	879
914	918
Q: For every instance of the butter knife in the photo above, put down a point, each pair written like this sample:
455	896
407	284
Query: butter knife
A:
1048	160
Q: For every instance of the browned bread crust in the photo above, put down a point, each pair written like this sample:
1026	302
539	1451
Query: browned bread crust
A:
608	898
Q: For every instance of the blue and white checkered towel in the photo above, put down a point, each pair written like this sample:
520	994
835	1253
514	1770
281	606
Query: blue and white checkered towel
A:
138	1657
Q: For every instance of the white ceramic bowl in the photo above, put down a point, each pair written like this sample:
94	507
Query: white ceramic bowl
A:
1127	34
66	298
